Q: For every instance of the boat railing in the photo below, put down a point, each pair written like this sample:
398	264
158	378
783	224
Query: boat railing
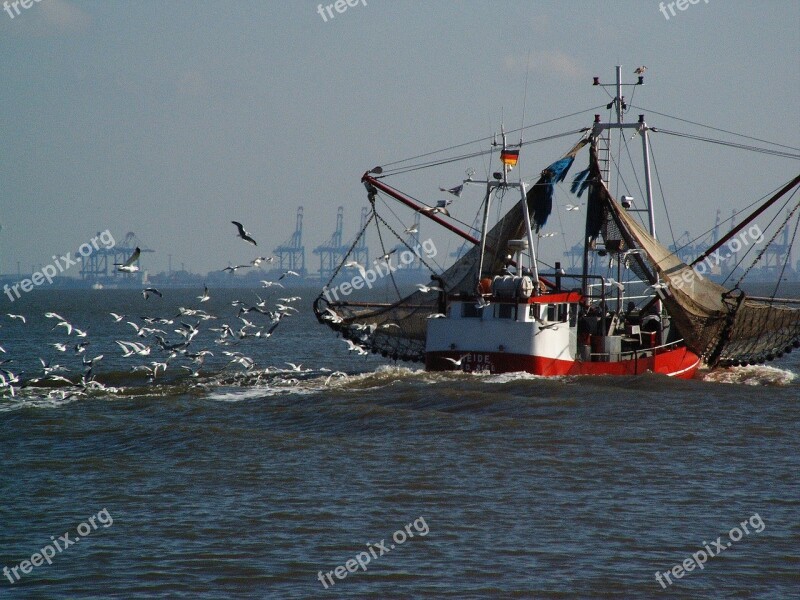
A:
634	354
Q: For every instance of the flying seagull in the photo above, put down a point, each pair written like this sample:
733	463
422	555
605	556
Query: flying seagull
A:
457	363
441	207
205	296
147	291
128	266
356	265
243	234
413	229
456	191
294	273
428	288
386	256
233	269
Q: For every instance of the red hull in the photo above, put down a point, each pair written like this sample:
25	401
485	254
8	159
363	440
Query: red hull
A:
675	362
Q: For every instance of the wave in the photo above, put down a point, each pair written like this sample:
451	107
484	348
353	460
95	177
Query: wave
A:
759	375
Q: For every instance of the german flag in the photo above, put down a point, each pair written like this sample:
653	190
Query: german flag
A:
509	157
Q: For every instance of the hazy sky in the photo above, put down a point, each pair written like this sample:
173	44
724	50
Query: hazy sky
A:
170	119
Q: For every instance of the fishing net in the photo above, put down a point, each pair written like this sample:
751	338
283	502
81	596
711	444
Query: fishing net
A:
723	326
398	329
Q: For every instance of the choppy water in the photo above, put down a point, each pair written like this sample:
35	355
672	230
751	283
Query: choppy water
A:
226	486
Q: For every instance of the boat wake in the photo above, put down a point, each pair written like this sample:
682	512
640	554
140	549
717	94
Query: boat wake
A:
760	375
244	386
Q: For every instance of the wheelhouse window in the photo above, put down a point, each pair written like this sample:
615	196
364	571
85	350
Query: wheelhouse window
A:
504	311
563	312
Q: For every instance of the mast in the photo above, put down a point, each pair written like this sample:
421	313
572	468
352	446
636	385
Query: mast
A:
508	158
640	127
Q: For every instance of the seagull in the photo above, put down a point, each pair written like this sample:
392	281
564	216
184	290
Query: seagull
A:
49	367
205	297
259	259
454	361
547	235
437	316
572	207
413	229
147	291
20	317
335	374
90	362
52	315
428	288
386	256
441	207
243	234
456	191
131	348
640	70
60	347
128	266
65	324
294	273
331	316
245	361
267	284
355	348
233	269
356	265
117	318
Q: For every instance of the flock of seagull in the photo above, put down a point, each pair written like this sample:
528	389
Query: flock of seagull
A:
153	339
156	351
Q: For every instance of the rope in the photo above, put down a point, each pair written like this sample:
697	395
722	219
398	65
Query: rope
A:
772	239
788	256
350	250
490	138
445	161
724	143
747	137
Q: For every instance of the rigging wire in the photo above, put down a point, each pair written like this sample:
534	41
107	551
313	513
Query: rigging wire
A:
383	249
733	216
714	128
724	143
421	202
788	255
445	161
389	207
491	137
663	197
768	244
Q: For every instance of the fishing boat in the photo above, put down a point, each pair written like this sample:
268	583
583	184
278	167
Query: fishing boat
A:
633	306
